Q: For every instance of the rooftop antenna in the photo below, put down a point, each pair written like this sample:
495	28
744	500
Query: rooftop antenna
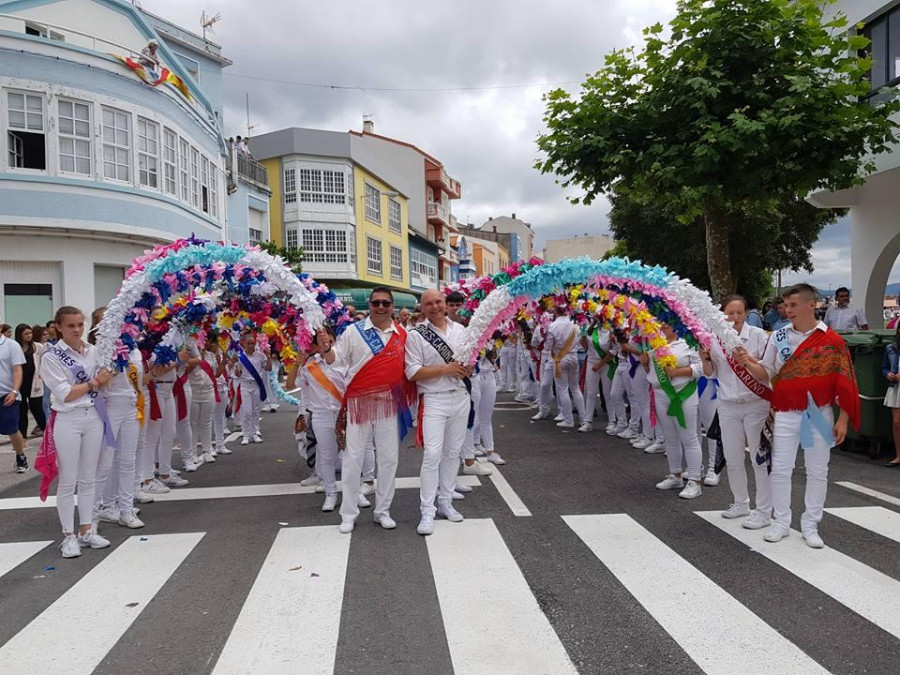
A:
250	127
207	22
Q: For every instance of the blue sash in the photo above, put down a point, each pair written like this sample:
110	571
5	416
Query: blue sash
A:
99	402
371	338
783	345
249	367
704	382
634	365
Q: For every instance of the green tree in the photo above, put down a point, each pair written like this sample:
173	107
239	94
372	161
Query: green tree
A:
744	104
760	243
293	257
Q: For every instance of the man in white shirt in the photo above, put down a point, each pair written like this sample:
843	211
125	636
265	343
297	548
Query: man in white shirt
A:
561	340
443	406
11	361
844	317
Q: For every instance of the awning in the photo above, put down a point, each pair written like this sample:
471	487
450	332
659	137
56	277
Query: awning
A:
359	298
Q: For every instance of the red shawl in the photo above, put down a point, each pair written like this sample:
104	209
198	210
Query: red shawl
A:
820	366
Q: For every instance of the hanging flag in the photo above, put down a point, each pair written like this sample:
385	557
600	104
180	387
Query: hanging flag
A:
155	78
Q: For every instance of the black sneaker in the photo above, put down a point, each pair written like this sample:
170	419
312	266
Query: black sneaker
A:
21	464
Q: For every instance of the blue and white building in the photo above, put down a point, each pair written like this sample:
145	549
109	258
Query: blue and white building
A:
97	166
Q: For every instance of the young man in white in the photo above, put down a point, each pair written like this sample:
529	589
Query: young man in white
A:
252	386
443	406
561	338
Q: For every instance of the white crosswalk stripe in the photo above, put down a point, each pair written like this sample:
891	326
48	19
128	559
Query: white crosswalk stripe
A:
75	633
14	554
868	592
876	519
714	630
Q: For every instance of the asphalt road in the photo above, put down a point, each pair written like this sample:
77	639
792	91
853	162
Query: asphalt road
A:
633	580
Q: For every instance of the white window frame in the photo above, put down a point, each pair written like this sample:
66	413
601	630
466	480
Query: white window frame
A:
119	161
290	186
395	224
396	262
148	153
374	250
184	155
75	137
372	198
321	186
170	162
195	177
291	239
252	235
213	189
26	128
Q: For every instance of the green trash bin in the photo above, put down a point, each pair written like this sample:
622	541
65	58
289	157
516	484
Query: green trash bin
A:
875	429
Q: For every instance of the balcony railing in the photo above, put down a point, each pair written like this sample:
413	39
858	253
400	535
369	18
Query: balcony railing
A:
440	177
252	171
64	33
438	212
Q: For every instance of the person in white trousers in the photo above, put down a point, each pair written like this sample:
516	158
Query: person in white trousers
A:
596	377
377	396
814	371
618	388
486	383
70	370
562	337
444	407
742	415
509	363
161	431
250	389
675	389
219	423
545	368
184	395
114	496
204	391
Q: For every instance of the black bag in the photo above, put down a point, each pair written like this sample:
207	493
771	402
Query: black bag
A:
714	433
764	454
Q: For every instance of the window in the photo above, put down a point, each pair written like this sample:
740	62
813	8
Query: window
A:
204	184
325	246
184	152
290	186
394	216
884	35
27	142
373	255
195	177
116	144
423	268
396	263
170	161
41	31
319	186
255	235
373	204
148	153
75	137
213	189
291	239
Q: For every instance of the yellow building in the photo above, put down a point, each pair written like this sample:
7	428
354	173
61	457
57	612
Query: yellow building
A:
382	231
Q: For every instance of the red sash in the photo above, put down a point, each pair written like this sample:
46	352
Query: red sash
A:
180	396
820	367
155	411
754	385
206	368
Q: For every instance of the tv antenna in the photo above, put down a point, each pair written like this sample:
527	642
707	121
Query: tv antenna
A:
207	22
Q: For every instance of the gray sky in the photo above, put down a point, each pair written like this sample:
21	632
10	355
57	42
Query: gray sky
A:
484	135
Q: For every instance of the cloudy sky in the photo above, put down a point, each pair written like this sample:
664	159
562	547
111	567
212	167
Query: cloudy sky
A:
484	123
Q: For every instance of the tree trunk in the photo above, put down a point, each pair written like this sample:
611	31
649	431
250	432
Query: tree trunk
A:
718	255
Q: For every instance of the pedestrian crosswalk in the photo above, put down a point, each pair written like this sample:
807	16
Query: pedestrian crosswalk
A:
496	615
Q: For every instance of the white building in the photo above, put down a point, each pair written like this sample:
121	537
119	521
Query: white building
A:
95	165
594	246
875	205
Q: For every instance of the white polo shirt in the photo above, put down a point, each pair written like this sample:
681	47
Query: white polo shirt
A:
420	353
11	355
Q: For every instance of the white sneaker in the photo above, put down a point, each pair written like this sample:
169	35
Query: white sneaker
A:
540	416
128	518
222	450
451	514
777	533
565	425
245	441
627	433
310	481
362	502
330	503
476	469
495	458
642	443
462	487
156	487
736	511
757	521
386	522
813	540
367	489
174	481
479	453
91	539
109	515
70	547
458	496
586	427
479	448
711	479
257	439
426	525
655	448
320	489
207	458
141	496
670	482
692	490
559	418
611	429
190	467
346	526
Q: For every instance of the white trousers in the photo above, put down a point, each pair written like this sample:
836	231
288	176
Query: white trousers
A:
785	442
509	371
568	391
679	439
201	423
323	424
545	399
616	401
250	406
183	434
444	430
115	472
473	435
741	425
594	380
161	434
78	435
384	436
218	420
140	463
639	397
488	386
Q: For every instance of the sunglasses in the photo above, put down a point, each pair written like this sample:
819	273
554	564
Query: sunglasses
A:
381	303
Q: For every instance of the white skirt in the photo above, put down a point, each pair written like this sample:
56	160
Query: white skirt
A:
892	397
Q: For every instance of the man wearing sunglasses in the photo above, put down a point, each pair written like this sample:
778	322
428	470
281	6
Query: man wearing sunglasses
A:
376	403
